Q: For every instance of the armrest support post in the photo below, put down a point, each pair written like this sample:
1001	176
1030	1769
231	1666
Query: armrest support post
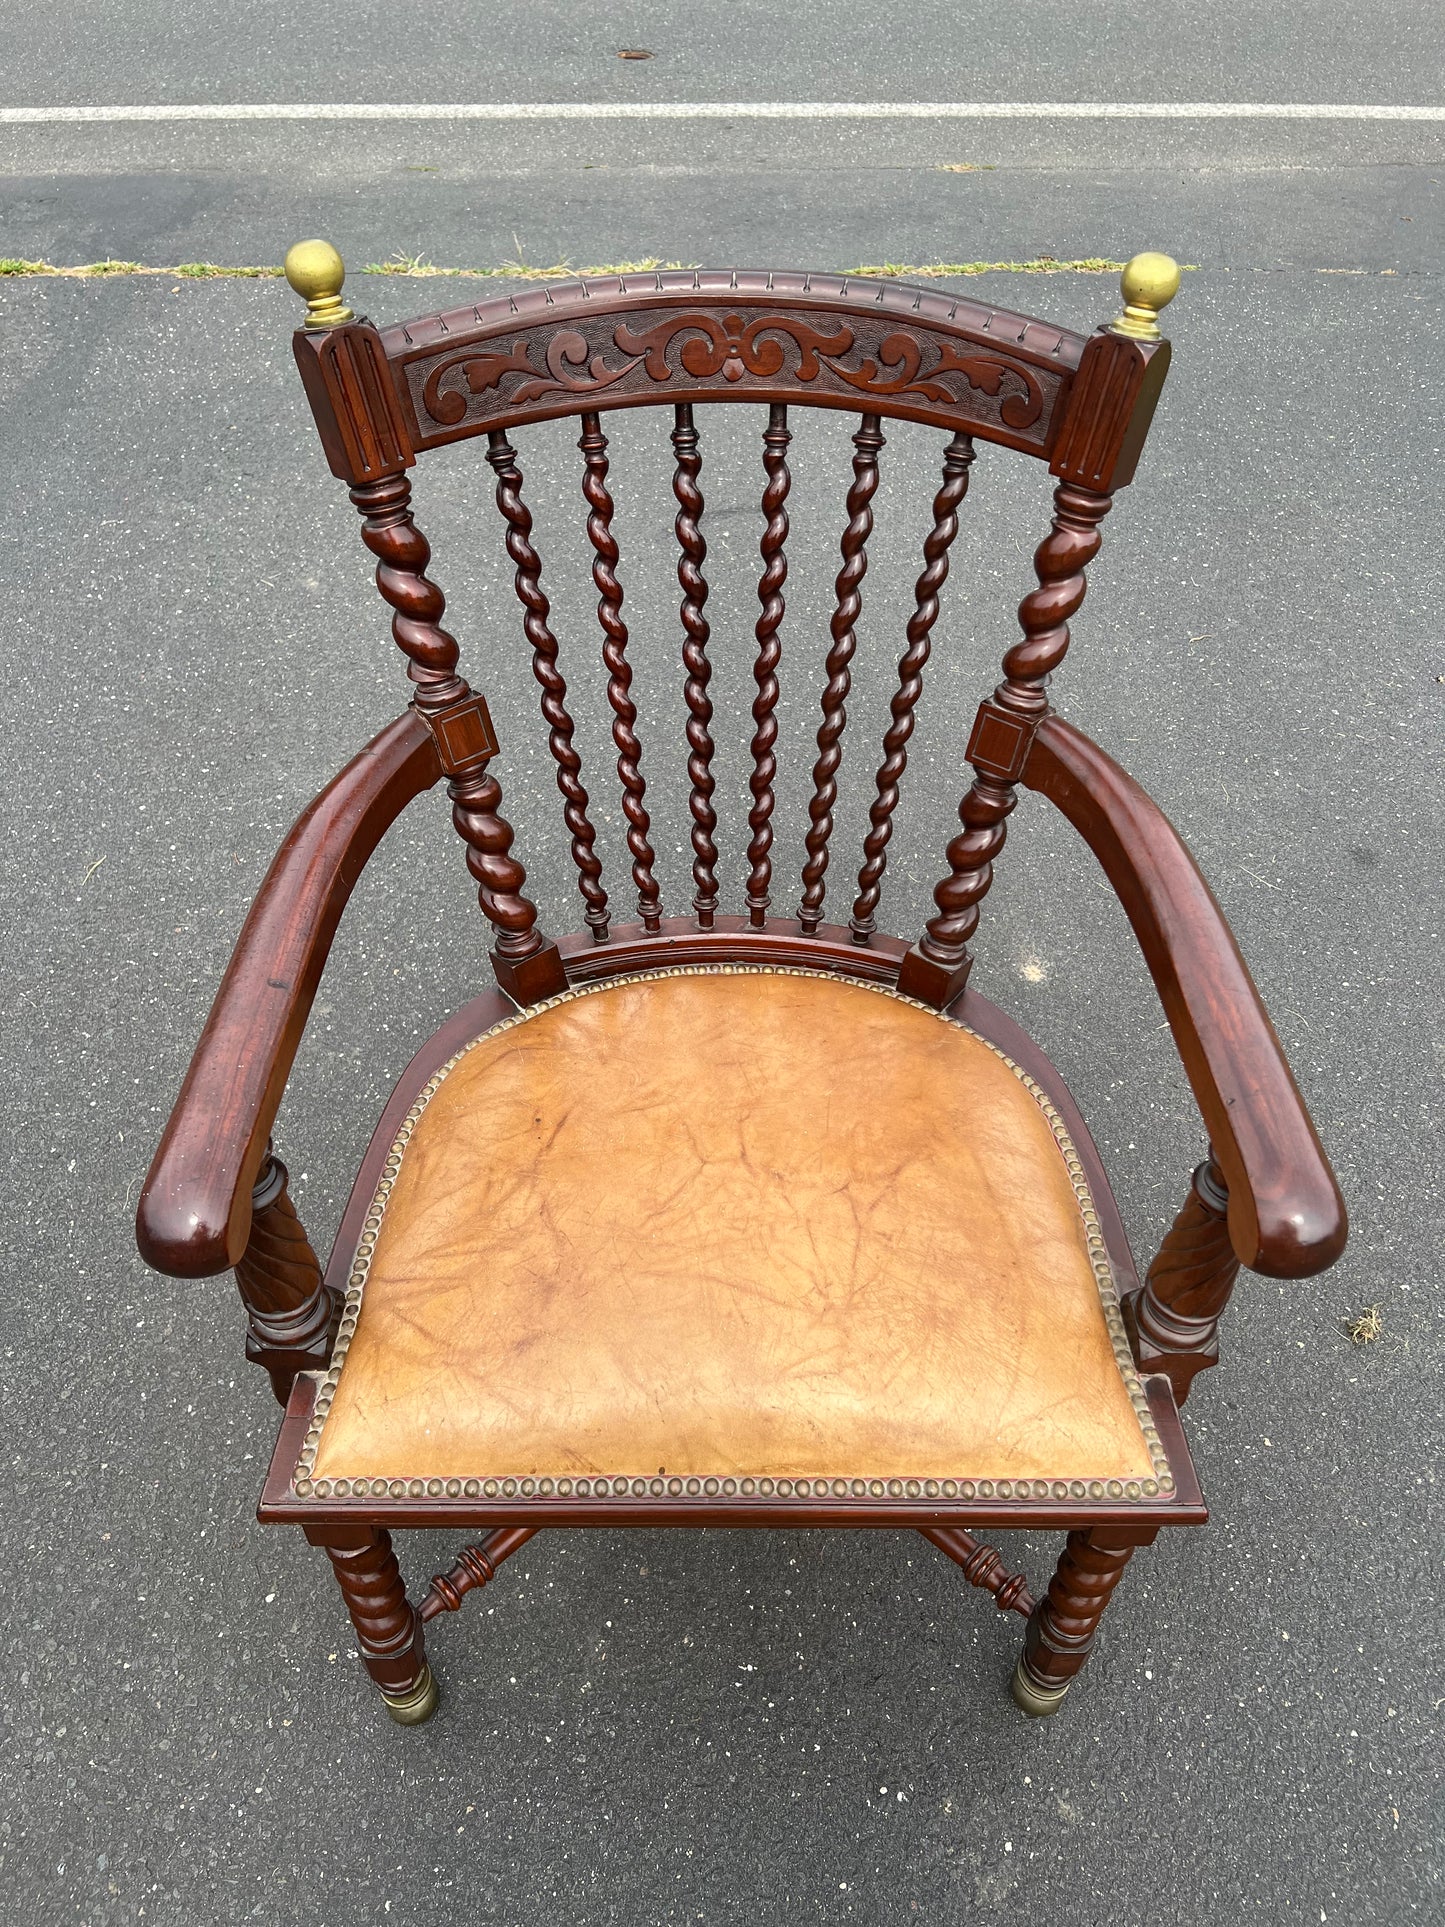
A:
291	1315
1173	1318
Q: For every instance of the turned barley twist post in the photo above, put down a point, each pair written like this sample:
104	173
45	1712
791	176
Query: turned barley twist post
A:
1110	406
593	445
1173	1318
291	1315
363	431
776	438
389	1629
957	461
1062	1629
692	555
848	606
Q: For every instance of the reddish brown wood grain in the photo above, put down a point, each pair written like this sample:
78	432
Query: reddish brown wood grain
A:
475	1566
984	1567
692	546
1062	1630
1286	1216
1173	1320
938	965
847	607
832	341
957	461
776	437
291	1315
388	1628
561	730
195	1209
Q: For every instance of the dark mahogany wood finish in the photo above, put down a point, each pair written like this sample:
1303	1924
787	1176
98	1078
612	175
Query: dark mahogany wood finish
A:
867	444
1174	1320
195	1209
1286	1217
1061	1630
388	1627
216	1194
292	1314
631	340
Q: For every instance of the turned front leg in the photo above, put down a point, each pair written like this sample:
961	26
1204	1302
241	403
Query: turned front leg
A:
1061	1632
1173	1318
291	1315
388	1629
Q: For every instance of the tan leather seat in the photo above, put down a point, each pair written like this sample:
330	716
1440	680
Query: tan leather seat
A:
730	1221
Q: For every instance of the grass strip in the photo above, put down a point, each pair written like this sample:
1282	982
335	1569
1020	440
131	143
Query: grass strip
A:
415	267
96	270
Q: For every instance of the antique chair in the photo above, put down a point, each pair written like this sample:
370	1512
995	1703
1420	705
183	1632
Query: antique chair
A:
732	1219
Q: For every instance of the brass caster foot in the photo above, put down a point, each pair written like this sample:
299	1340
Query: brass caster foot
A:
1030	1697
411	1709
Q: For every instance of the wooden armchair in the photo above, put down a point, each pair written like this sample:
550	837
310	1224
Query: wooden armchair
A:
716	1218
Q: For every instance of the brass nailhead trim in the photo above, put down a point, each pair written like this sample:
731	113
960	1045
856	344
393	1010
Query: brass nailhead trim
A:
304	1485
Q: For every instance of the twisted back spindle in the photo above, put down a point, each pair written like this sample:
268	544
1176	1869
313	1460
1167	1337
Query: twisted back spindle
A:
593	445
1019	702
536	624
688	490
461	725
776	438
957	460
847	607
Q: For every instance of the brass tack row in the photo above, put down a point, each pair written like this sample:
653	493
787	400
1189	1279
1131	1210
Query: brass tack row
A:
629	1486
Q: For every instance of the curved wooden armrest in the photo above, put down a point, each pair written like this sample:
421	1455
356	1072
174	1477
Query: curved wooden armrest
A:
1286	1215
195	1210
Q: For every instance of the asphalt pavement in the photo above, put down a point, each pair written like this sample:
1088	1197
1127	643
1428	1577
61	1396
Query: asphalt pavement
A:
720	1727
547	50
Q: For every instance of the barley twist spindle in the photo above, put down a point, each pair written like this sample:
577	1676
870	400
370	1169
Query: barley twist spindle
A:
847	608
593	444
957	459
418	605
765	665
693	553
942	956
536	625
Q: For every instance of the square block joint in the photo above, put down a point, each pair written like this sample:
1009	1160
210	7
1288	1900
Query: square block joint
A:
464	736
999	745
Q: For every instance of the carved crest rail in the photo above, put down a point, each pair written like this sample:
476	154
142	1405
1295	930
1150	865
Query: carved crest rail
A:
681	337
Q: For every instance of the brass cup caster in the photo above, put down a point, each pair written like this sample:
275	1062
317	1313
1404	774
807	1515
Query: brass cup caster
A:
416	1706
1031	1696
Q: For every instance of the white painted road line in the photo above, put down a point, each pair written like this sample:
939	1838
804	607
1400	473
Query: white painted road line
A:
726	110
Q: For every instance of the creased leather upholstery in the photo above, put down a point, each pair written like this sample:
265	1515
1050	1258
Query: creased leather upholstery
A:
708	1224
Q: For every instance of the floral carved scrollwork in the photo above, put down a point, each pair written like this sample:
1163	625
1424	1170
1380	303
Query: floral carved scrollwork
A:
837	357
482	372
566	355
904	353
731	347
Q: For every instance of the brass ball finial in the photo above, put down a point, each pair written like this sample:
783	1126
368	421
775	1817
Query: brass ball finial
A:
316	271
1149	282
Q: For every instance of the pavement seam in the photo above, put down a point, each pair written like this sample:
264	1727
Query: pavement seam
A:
725	110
